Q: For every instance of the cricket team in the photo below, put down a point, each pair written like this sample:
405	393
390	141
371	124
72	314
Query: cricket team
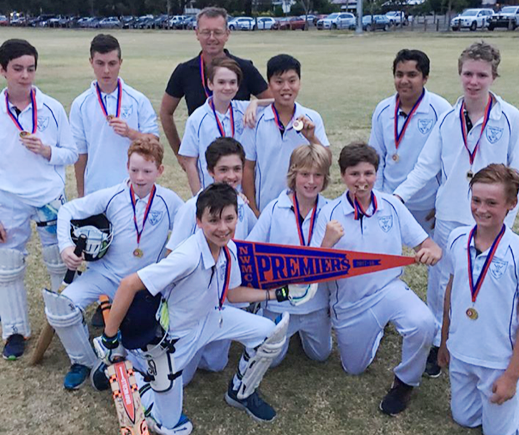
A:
440	179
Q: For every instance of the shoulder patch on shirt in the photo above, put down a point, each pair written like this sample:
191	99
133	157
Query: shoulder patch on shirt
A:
498	267
425	125
126	111
494	134
155	217
385	223
43	123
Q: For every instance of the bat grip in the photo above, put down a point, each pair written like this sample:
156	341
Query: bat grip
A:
78	250
105	304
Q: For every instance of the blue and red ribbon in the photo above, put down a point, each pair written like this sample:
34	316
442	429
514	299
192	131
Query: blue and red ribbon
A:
207	91
119	99
34	108
219	124
146	212
227	280
400	136
488	109
277	119
474	289
359	211
299	225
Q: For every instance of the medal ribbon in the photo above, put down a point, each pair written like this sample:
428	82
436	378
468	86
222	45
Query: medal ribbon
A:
474	290
277	119
223	295
488	109
146	212
400	136
119	99
207	91
34	108
300	225
359	211
219	124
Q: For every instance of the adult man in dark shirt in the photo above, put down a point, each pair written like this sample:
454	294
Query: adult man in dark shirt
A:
189	78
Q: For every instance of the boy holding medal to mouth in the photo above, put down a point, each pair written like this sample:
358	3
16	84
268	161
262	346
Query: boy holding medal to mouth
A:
106	118
481	129
141	215
480	318
37	144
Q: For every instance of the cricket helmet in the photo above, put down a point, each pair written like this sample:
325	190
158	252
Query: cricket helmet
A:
99	233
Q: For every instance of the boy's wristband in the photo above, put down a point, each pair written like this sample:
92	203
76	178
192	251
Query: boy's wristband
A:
282	294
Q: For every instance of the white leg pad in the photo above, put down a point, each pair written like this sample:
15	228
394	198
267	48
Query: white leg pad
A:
55	266
160	369
13	306
258	364
70	326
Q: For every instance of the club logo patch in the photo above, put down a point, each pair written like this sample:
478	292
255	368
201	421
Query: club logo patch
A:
126	111
43	123
494	134
238	126
498	267
155	217
385	223
425	125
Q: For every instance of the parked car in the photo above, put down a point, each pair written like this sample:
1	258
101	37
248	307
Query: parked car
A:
175	22
93	22
4	21
242	23
127	21
373	22
109	23
508	17
189	23
396	18
472	19
290	23
337	20
265	23
143	22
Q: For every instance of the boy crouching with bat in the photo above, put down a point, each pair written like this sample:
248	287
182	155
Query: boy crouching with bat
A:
133	219
370	221
194	281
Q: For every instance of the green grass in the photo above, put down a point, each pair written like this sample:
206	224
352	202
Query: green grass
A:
344	77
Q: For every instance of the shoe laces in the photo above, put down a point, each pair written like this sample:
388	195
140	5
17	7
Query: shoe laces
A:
77	368
15	339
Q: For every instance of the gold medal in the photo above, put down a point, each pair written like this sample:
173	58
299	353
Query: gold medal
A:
110	117
298	125
24	133
138	253
470	174
471	313
395	157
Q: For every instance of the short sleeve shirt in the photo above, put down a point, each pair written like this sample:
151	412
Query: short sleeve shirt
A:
186	81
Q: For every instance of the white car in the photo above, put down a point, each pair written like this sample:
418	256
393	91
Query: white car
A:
508	17
472	19
265	23
242	23
396	18
337	20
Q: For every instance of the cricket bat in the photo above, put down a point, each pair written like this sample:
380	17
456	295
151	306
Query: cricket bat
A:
125	390
47	332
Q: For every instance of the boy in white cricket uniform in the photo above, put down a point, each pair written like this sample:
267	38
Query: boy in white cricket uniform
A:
370	221
400	127
225	158
290	220
281	127
141	214
480	322
37	144
218	117
481	129
194	280
106	118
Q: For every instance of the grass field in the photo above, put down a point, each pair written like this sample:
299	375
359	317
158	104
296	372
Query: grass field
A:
344	77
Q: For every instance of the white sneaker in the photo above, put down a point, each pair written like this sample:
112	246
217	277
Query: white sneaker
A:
183	427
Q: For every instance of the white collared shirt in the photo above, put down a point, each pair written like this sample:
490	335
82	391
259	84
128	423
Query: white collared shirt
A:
201	130
489	340
445	152
277	224
107	151
116	203
392	173
271	151
35	180
390	227
191	281
185	222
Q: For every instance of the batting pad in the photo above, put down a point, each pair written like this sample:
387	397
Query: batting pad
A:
261	361
69	324
13	297
55	266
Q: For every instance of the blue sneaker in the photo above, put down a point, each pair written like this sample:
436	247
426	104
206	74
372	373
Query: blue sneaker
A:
14	347
183	427
76	376
253	405
98	377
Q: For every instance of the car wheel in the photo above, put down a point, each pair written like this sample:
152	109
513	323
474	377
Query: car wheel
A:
232	28
386	28
334	26
491	27
455	28
368	28
473	26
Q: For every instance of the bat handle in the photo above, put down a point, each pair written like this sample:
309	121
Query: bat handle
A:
106	305
78	250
